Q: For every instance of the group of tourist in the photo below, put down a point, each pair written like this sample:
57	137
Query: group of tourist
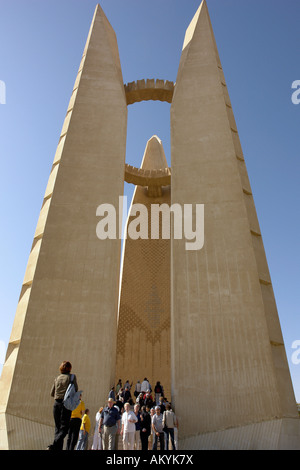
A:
141	424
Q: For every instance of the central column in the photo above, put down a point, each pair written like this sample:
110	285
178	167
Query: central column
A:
143	341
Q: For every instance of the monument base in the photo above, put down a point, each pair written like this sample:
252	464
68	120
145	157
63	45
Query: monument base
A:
277	434
23	434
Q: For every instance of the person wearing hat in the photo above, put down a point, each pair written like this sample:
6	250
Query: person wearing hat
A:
110	419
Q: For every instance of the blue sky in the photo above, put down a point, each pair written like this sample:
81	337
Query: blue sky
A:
41	44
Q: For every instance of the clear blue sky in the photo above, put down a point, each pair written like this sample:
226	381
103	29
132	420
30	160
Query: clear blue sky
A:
41	44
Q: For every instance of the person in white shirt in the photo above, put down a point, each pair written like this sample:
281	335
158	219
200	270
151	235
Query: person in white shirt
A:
145	386
137	389
128	427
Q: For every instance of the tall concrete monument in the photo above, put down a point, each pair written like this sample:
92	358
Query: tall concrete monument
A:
201	320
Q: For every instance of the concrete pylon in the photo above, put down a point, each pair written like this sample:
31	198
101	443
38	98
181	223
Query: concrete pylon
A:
143	341
227	351
69	299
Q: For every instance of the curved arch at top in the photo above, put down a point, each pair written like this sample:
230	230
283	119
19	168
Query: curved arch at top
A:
150	89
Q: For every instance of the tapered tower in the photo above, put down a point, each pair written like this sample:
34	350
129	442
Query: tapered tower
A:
69	296
143	345
227	347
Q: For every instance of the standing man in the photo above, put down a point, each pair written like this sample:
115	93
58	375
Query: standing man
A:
137	389
128	427
137	438
126	395
145	427
145	385
110	418
169	423
119	385
112	393
157	425
158	390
